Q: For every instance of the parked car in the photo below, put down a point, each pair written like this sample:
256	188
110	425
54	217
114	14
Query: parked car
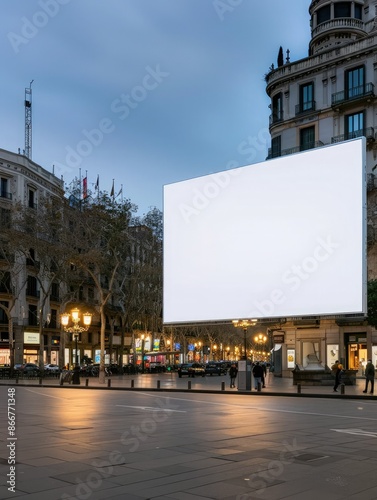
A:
191	370
30	369
51	368
215	369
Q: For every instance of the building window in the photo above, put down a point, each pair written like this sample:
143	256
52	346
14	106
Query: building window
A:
53	319
276	146
4	188
5	282
355	82
277	108
3	315
306	97
323	14
33	315
358	11
31	289
307	138
342	9
31	200
354	125
54	292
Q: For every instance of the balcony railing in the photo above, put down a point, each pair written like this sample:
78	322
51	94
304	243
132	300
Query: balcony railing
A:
276	117
305	107
352	94
367	132
33	293
297	149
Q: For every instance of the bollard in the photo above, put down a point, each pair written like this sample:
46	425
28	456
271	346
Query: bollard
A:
298	388
109	382
86	382
259	387
342	389
158	384
40	381
223	386
189	385
132	384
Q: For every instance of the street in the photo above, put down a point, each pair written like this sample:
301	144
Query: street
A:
96	444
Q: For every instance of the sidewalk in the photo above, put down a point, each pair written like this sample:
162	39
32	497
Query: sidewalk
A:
275	386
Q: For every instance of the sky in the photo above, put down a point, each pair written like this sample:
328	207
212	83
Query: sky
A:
143	93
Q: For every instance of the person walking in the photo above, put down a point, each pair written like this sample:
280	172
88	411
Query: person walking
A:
338	377
264	374
233	370
369	376
258	374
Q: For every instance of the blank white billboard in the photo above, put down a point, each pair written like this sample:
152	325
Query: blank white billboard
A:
278	239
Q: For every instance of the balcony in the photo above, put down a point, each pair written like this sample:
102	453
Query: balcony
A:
353	94
305	107
367	132
296	149
276	117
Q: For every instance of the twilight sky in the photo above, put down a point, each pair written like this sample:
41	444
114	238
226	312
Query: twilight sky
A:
145	92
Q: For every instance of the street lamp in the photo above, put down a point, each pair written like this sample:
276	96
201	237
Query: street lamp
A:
244	324
76	329
142	352
260	340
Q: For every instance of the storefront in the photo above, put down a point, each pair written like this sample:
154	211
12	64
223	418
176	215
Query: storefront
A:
356	351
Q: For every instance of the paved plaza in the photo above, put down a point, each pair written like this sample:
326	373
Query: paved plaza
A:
154	438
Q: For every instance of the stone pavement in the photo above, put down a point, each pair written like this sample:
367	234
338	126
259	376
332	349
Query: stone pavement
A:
174	443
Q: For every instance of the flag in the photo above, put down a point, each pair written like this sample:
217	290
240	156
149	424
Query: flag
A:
112	190
84	188
120	192
97	183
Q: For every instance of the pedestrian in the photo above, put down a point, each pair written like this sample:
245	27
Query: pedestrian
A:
335	367
258	374
264	374
338	377
233	370
369	376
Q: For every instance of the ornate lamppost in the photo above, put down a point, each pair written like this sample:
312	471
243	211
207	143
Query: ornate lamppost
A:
244	324
76	329
142	352
260	340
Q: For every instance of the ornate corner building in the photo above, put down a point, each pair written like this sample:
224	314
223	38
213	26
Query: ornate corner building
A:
323	99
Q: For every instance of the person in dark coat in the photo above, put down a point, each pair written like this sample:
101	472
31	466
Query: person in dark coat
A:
233	370
369	376
258	375
338	377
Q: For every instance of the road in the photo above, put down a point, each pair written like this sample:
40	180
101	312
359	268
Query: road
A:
96	444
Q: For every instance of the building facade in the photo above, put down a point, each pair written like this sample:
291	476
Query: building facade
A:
25	182
323	99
